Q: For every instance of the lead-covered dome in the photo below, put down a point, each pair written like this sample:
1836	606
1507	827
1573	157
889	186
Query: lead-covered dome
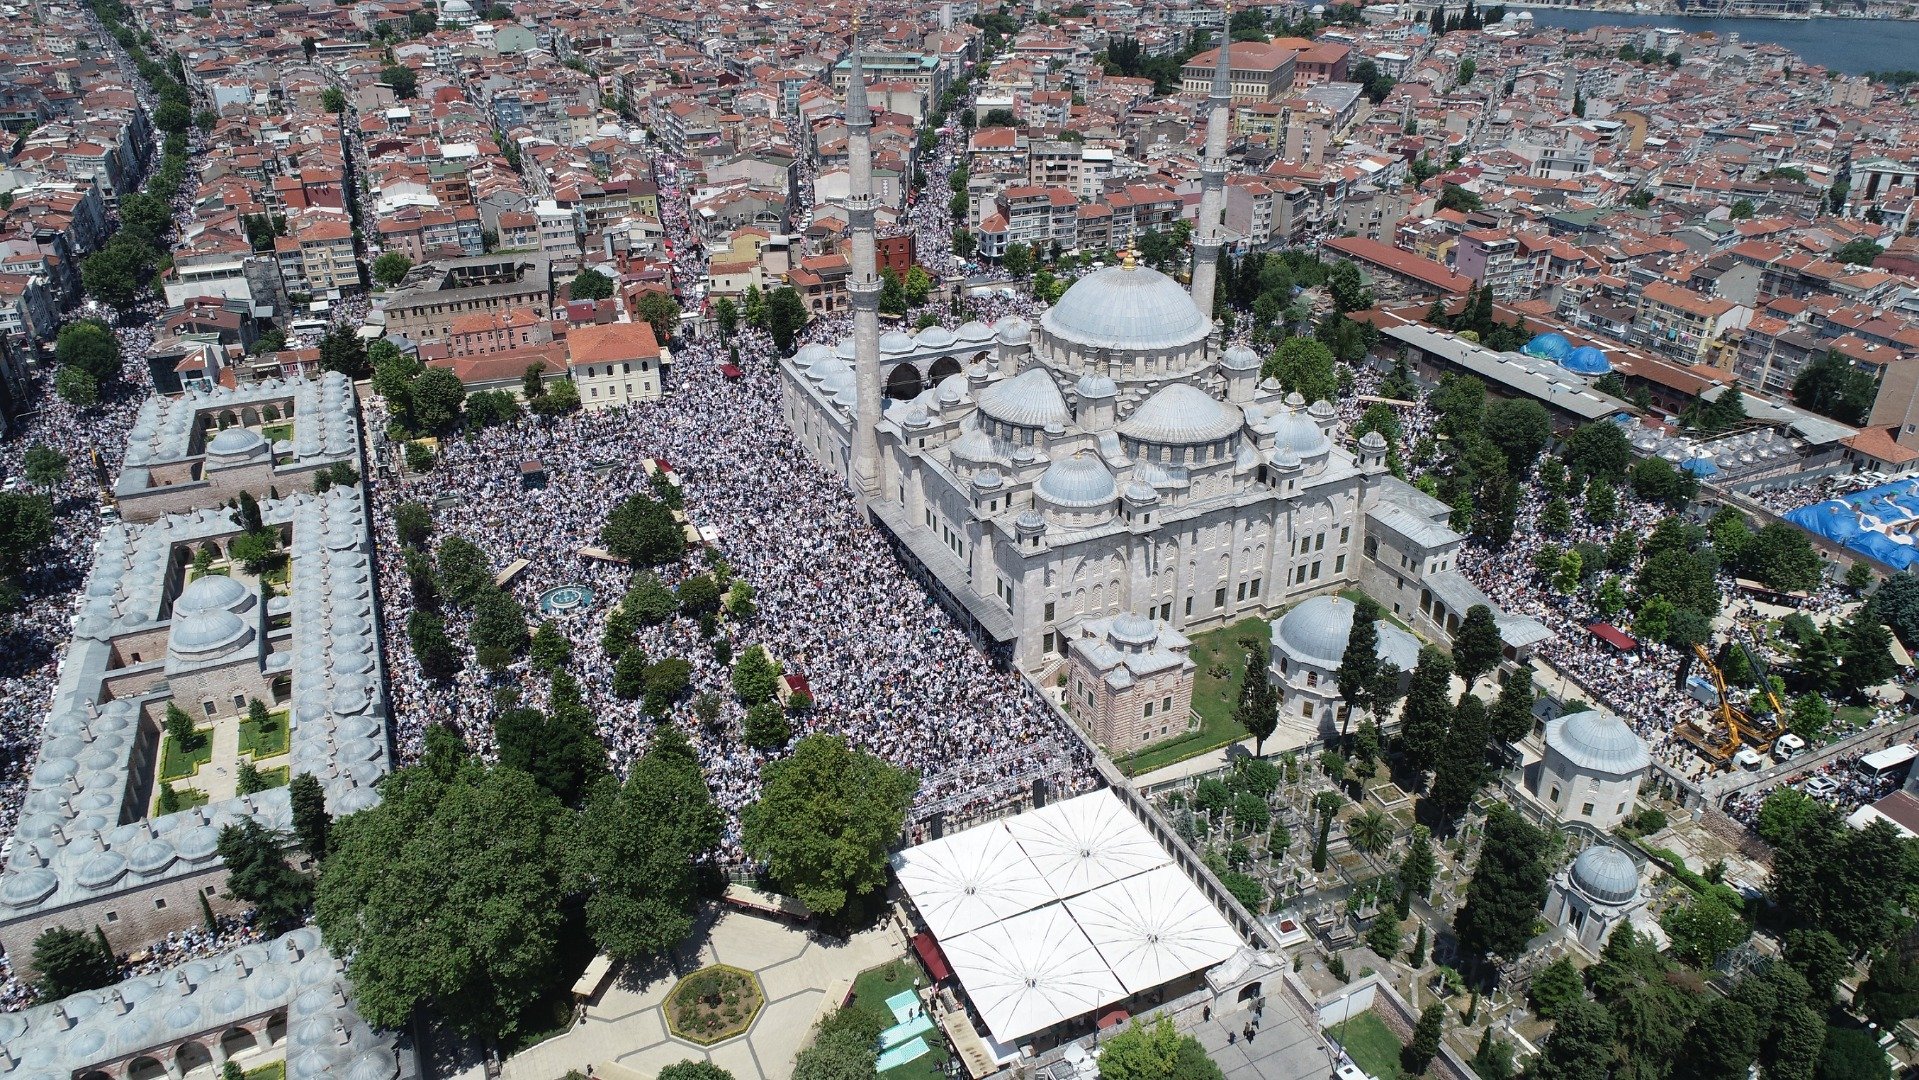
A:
236	442
209	593
1029	400
1606	874
206	632
1317	629
1181	415
1593	740
1127	307
1079	481
1295	431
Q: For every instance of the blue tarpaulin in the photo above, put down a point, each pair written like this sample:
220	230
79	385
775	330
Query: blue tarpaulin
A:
1878	522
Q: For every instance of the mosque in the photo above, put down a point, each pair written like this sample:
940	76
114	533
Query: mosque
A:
1112	460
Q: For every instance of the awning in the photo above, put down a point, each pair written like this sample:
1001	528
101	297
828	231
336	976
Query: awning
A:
930	955
1614	636
731	371
1114	1018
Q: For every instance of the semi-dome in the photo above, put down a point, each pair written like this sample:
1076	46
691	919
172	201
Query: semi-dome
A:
235	442
1318	628
1127	307
1550	346
1593	740
1030	399
1606	874
1586	360
1181	415
208	593
206	632
1078	481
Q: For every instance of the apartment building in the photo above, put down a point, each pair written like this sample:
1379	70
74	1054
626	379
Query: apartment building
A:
1490	257
1259	72
317	257
1683	325
1037	216
615	363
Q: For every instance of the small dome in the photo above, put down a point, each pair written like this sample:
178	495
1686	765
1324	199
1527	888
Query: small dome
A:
1240	358
1127	307
1181	415
1140	491
951	389
975	331
896	341
1586	360
828	366
1606	874
1013	330
211	592
1031	399
1077	482
811	354
1317	629
1596	741
974	445
1095	386
1131	629
1548	346
206	632
1297	432
235	441
935	337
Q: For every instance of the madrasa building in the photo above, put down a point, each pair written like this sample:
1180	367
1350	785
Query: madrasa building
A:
1111	460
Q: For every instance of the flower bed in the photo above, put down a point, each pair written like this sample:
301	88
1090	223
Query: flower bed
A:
712	1004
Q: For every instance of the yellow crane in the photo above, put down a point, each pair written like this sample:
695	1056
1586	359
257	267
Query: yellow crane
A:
1737	728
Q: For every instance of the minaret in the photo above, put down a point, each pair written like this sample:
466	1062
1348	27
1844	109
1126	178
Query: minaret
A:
1208	238
864	284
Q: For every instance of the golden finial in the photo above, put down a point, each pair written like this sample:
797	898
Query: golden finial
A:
1127	261
856	22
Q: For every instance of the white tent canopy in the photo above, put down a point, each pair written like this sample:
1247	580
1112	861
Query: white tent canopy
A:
1086	842
1153	928
970	879
1031	972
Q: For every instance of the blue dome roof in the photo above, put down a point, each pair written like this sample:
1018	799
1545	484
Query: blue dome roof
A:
1699	466
1550	346
1586	360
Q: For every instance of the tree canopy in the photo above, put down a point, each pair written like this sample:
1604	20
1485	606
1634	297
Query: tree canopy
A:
826	818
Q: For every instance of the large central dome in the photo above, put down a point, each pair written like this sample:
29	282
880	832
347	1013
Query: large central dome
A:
1127	307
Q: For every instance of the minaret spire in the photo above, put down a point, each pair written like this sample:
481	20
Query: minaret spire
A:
1209	238
864	283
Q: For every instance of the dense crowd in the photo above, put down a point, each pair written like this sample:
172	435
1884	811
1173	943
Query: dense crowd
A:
889	669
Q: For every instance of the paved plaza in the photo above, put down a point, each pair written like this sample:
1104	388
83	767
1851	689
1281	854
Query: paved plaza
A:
627	1028
1284	1047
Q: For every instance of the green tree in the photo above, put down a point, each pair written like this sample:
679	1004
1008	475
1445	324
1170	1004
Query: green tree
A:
71	962
659	311
1852	1054
1477	645
436	399
259	874
1427	713
90	346
342	350
826	818
552	650
1781	557
636	847
590	284
1785	811
413	523
694	1070
1820	958
77	388
1580	1046
402	79
1721	1043
1512	711
766	727
332	100
1742	209
1461	769
1417	869
1507	887
1891	991
785	315
390	267
1155	1052
1554	987
1304	366
629	675
1865	653
1017	260
1703	930
443	893
1826	876
1860	252
755	676
312	825
643	532
1832	386
1359	664
1520	428
1599	450
1257	710
1424	1046
45	466
648	599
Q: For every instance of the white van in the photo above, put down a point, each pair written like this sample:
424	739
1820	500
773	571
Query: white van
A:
1788	746
1749	759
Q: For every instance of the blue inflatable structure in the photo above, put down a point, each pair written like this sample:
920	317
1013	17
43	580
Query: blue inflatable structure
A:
1586	360
1548	347
1878	522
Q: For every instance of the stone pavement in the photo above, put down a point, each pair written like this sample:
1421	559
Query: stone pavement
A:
1284	1047
627	1027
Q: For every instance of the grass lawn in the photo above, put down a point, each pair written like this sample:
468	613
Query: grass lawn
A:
274	1071
1851	717
1213	698
177	762
870	992
279	571
189	798
1371	1045
275	777
260	741
274	433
